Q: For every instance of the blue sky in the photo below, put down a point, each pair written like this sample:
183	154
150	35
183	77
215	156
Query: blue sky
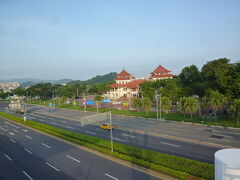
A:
80	39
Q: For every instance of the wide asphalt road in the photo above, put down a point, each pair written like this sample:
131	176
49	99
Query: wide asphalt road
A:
28	155
184	149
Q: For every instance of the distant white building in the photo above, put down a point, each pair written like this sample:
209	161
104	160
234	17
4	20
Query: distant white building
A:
8	86
127	86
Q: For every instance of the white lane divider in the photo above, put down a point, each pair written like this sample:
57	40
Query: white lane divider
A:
28	137
127	135
12	140
119	140
53	123
25	130
11	133
7	157
73	158
28	151
41	120
52	166
170	144
15	130
49	147
63	121
89	132
100	130
27	175
111	176
69	127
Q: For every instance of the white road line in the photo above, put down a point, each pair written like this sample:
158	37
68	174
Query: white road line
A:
170	144
73	158
46	145
100	129
5	125
89	132
129	135
15	130
50	118
25	130
63	121
8	157
69	127
119	140
11	133
111	176
27	150
53	123
12	140
52	166
41	120
27	175
28	137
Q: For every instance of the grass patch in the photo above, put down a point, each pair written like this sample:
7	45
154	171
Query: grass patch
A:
178	167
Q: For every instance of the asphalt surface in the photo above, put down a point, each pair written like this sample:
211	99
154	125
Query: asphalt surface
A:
184	149
27	155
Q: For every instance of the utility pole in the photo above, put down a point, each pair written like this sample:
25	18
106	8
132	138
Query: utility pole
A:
156	96
110	118
160	104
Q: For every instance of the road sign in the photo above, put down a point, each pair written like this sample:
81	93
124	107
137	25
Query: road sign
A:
106	100
93	119
89	102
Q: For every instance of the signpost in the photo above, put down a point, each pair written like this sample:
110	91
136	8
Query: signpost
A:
92	119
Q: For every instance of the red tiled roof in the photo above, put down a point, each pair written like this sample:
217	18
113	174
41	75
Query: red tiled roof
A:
117	85
160	69
161	75
124	75
132	84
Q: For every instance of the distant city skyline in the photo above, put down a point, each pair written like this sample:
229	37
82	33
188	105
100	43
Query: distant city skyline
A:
78	40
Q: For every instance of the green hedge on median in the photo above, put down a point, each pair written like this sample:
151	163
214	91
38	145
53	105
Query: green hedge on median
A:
178	167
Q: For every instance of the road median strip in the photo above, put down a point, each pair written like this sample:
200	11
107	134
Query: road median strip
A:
174	166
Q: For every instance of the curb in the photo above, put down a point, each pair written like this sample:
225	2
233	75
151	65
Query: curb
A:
119	161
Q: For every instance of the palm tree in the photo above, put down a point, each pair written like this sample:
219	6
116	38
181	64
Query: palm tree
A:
215	100
235	109
191	105
181	105
137	103
165	104
147	104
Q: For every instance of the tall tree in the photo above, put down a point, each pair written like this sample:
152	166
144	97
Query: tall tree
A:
137	103
235	84
215	100
235	109
165	104
191	79
191	105
147	104
217	74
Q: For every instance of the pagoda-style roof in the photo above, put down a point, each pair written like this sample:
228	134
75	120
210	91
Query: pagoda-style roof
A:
160	70
124	75
132	85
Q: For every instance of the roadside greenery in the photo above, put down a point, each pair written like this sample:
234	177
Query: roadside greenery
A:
181	168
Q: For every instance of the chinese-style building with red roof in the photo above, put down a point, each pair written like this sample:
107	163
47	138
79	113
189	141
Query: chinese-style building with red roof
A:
160	73
127	86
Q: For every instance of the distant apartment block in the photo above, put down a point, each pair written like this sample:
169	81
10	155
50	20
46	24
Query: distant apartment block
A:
127	86
8	86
